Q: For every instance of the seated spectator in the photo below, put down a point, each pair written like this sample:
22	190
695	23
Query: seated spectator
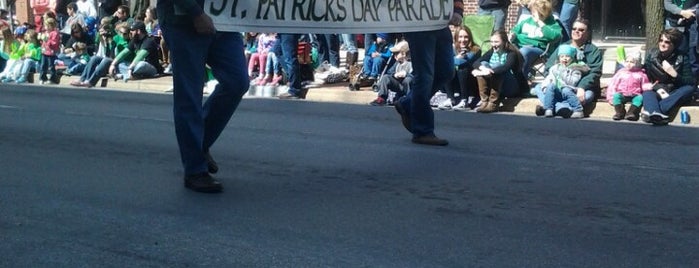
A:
466	53
13	61
121	15
589	85
86	8
79	59
7	45
31	57
560	83
376	57
534	34
626	86
78	34
250	40
498	73
397	78
144	50
671	80
108	47
258	60
271	68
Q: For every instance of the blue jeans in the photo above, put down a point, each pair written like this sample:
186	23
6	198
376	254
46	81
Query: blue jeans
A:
373	66
290	43
500	15
433	67
653	103
47	64
530	54
95	68
562	101
350	43
28	66
329	49
569	13
565	94
142	69
272	66
198	126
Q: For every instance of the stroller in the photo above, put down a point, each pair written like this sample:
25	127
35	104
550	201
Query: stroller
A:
356	81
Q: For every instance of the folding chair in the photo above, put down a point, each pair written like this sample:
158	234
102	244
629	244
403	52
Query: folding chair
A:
481	27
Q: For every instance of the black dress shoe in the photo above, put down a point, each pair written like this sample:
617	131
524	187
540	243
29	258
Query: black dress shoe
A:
210	163
430	140
404	116
202	183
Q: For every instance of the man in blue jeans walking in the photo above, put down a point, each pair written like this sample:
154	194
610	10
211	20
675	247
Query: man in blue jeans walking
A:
433	66
194	42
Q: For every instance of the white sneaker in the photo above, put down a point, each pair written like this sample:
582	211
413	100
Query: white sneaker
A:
461	106
577	114
445	105
548	113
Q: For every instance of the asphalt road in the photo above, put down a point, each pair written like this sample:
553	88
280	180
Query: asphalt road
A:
92	179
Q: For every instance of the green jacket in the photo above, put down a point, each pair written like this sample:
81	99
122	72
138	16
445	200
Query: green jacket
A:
528	33
33	51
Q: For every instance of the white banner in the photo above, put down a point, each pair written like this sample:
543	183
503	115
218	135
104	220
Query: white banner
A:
329	16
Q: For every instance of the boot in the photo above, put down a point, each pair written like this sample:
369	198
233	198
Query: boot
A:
352	59
632	114
483	90
493	101
620	112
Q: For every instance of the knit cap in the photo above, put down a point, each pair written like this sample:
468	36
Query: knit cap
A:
383	36
567	50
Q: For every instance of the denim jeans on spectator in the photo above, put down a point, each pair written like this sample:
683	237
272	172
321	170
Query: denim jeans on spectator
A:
350	43
653	103
500	15
329	49
290	43
433	66
272	66
373	66
561	102
565	94
568	15
198	126
530	54
96	68
143	69
47	65
28	66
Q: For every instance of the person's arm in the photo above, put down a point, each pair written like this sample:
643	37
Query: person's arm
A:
552	31
507	66
387	53
593	59
484	58
686	77
671	7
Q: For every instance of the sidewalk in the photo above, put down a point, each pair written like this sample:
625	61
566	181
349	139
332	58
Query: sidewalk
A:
339	92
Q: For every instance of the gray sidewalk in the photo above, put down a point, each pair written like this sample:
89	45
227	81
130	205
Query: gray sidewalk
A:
339	92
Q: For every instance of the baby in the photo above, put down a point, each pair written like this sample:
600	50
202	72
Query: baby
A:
626	85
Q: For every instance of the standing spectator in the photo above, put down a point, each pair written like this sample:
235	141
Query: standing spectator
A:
497	9
87	8
329	49
467	52
351	46
568	13
681	15
433	65
534	34
39	8
498	73
108	7
74	17
138	7
49	49
289	44
671	77
194	43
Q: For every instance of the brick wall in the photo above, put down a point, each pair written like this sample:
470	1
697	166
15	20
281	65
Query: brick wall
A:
471	7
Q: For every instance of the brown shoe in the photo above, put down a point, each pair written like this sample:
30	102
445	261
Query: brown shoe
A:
430	140
202	183
404	116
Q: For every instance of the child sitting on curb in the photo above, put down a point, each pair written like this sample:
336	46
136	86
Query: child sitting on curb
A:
626	85
561	80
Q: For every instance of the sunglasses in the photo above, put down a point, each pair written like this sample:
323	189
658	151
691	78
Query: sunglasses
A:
665	41
582	30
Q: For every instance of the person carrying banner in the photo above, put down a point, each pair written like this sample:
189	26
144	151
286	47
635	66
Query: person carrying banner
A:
433	66
194	43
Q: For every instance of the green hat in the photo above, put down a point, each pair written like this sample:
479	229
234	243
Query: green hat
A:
567	50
